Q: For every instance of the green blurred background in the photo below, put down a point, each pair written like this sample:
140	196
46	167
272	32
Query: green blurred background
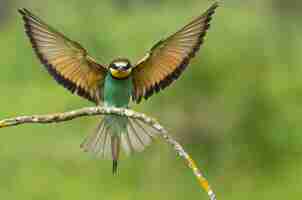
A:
236	109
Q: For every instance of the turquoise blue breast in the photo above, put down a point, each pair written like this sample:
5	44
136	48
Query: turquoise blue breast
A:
117	92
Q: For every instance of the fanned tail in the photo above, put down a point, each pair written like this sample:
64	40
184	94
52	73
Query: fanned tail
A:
114	131
137	137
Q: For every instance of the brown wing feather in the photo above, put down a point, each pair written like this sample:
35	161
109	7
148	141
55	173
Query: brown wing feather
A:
66	60
168	58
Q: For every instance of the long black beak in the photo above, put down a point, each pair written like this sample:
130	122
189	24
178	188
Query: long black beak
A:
124	69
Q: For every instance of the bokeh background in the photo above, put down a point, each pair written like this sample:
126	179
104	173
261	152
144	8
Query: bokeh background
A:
236	109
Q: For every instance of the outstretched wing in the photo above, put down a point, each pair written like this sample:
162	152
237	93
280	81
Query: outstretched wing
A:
66	60
168	58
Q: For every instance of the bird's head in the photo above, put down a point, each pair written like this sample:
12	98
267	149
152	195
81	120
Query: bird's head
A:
120	68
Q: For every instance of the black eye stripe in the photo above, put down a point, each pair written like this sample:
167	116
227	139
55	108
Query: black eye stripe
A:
114	66
127	66
120	65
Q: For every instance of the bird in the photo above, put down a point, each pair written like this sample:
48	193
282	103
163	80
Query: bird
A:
118	83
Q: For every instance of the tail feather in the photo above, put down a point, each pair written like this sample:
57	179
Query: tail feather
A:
138	135
95	143
114	166
100	142
104	146
114	131
147	134
136	141
91	141
127	144
115	150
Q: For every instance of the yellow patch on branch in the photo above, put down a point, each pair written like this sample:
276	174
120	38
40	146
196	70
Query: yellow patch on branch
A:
201	179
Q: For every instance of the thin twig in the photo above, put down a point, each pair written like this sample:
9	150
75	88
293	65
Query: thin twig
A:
90	111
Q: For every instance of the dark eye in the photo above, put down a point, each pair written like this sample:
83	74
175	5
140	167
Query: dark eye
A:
114	66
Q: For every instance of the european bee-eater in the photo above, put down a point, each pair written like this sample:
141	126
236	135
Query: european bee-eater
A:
115	84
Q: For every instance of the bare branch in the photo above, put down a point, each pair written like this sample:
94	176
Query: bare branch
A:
90	111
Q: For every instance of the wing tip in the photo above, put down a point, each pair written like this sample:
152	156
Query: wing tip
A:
211	11
26	15
21	11
215	5
24	12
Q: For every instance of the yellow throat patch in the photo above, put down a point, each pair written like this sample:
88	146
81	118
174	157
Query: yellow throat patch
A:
120	74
